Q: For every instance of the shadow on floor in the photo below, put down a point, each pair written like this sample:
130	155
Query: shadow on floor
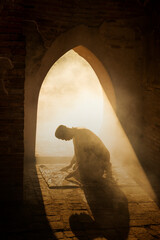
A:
109	208
153	176
27	221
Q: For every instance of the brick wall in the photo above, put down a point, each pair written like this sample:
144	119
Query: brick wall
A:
151	110
12	67
55	17
152	128
151	94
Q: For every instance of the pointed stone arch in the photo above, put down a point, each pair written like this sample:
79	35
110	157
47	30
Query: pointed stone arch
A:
88	44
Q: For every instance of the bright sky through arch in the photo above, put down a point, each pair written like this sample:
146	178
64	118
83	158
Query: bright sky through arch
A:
71	95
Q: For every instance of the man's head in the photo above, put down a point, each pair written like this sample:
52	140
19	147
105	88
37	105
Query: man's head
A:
64	133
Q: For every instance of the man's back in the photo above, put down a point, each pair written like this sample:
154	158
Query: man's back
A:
91	154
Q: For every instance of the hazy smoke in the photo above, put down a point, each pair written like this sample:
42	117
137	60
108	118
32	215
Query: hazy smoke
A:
72	95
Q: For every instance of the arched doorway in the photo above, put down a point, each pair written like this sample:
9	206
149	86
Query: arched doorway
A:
63	44
34	84
71	94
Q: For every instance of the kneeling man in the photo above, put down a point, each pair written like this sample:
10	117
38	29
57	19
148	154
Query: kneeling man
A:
91	159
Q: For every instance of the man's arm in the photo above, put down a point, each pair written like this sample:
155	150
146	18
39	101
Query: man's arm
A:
74	173
73	161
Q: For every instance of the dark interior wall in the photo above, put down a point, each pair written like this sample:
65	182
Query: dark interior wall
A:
151	93
128	52
12	69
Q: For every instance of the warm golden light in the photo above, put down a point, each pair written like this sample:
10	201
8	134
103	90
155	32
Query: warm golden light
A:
71	95
122	154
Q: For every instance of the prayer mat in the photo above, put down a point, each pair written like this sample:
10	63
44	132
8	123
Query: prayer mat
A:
55	178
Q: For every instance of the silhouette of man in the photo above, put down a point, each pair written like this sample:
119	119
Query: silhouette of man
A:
91	158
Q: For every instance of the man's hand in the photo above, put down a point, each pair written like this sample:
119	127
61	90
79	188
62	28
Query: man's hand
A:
73	162
65	169
74	174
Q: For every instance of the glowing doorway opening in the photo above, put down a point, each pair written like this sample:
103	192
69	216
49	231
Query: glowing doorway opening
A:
71	95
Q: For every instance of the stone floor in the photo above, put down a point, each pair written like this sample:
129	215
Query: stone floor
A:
114	209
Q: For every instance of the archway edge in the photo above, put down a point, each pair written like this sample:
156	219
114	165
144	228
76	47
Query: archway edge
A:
100	71
88	44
